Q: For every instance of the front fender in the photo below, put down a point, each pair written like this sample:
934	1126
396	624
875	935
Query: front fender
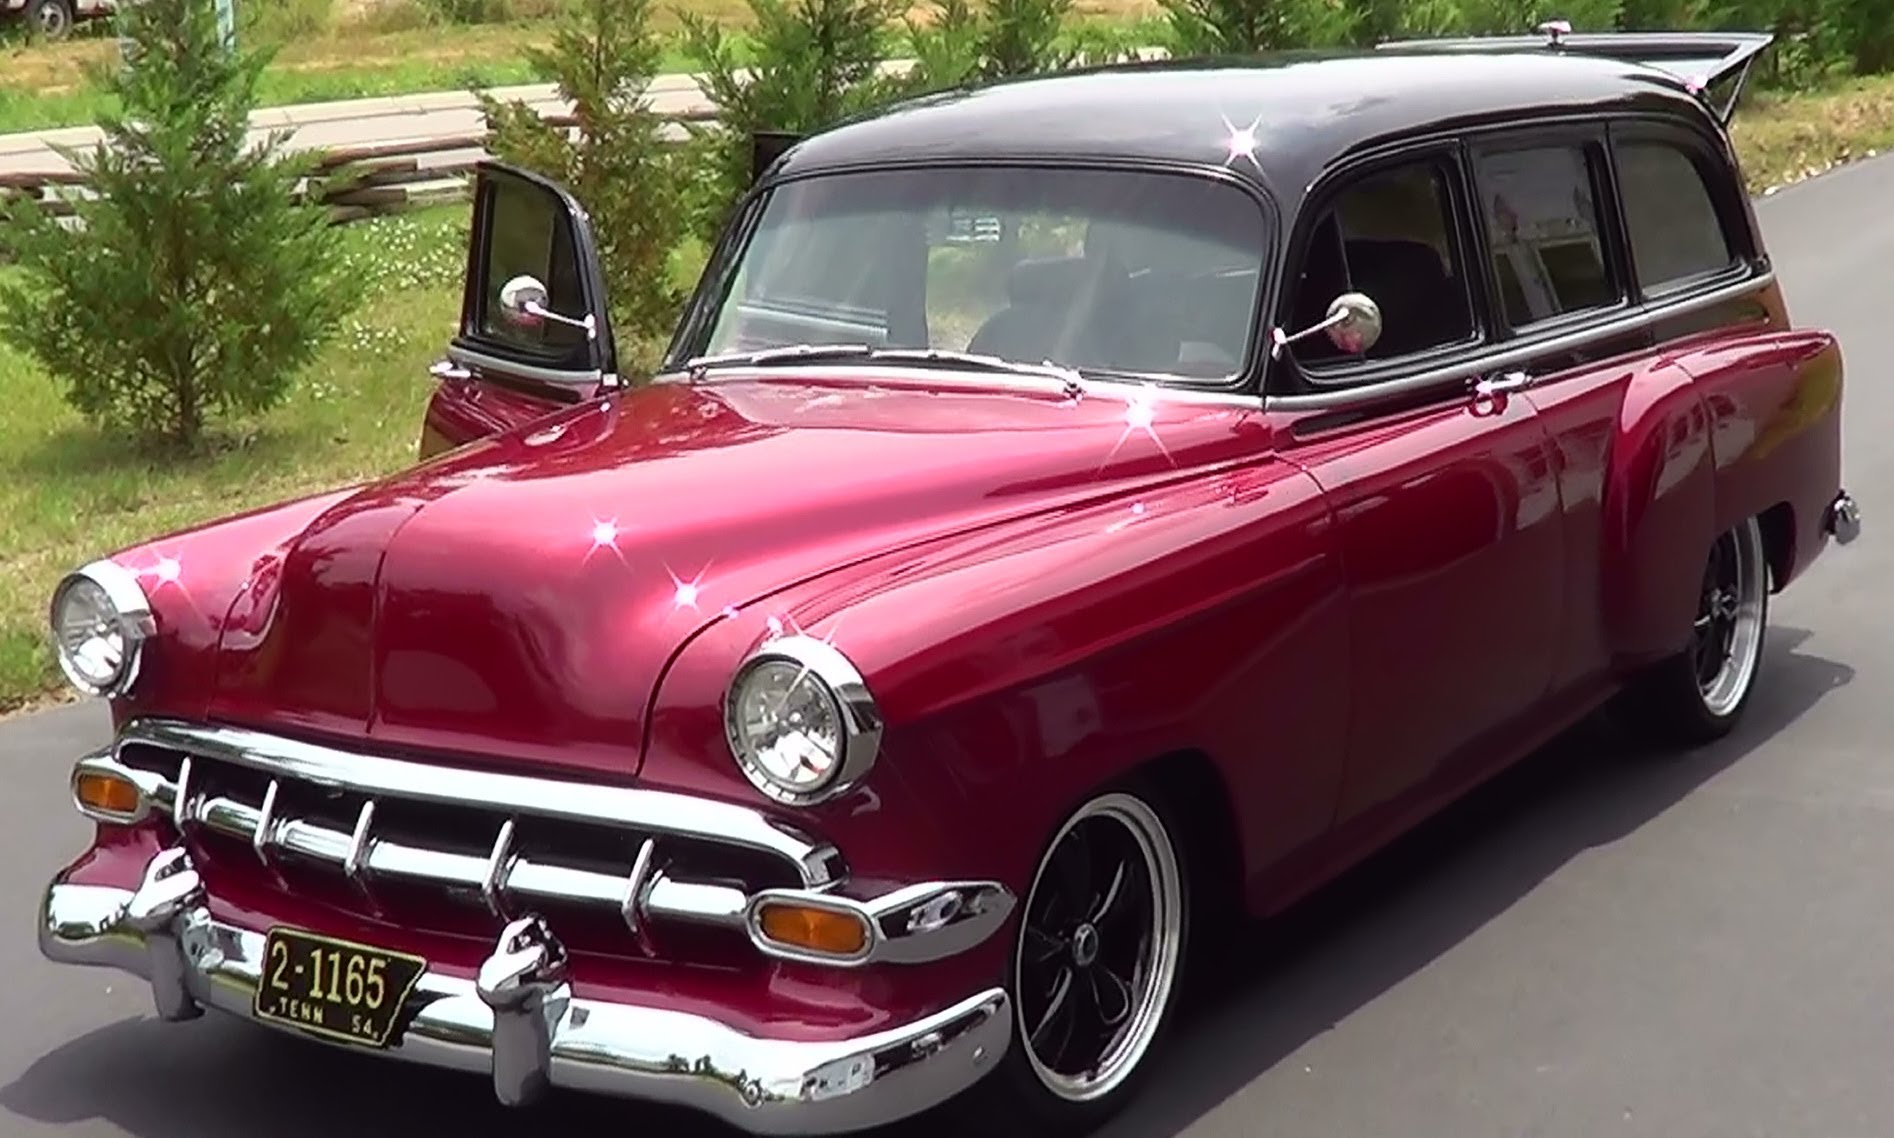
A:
192	578
1023	666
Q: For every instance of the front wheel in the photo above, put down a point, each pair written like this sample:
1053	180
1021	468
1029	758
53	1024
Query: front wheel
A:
1700	694
1095	968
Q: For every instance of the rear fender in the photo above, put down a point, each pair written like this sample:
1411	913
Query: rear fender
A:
1659	516
1773	401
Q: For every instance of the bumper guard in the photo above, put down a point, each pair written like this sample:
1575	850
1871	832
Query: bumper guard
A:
519	1023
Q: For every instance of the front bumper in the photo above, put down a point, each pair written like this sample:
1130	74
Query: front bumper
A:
519	1022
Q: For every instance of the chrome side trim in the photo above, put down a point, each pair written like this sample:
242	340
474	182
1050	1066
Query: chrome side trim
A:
482	361
1509	356
654	811
518	1025
915	925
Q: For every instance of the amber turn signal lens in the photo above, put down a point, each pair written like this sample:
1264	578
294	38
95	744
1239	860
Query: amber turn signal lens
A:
106	794
827	931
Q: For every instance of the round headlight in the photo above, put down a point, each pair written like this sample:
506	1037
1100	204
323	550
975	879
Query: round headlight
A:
800	721
101	620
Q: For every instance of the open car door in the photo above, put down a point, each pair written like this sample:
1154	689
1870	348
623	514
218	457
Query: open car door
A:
534	336
1715	65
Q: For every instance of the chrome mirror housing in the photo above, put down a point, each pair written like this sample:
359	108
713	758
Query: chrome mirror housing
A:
523	304
1353	324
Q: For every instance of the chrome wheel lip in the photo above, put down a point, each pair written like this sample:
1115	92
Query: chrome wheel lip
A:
1157	973
1748	580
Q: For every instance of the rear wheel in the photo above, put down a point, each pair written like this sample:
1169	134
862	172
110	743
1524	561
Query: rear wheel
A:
1095	968
1700	694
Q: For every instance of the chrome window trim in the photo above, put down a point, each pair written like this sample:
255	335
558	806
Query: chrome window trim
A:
1517	353
486	361
654	811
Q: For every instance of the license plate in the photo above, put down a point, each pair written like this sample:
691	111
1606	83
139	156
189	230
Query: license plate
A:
334	988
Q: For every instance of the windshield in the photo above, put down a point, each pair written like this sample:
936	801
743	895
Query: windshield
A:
1116	272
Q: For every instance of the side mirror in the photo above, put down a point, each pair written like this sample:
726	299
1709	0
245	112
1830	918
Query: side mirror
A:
523	303
1353	324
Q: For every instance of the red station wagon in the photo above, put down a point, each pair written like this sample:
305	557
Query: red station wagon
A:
1072	513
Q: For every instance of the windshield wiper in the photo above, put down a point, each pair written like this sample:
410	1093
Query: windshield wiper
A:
798	353
790	353
1070	376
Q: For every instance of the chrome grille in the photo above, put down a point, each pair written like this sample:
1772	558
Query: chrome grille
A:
499	841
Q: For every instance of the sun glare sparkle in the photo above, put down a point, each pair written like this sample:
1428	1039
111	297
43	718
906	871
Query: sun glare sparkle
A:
1139	416
685	594
1240	141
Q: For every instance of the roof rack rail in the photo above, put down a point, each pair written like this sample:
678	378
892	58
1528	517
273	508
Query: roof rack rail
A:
1701	60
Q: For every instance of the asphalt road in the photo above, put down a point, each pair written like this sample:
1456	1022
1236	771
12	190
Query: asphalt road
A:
1602	943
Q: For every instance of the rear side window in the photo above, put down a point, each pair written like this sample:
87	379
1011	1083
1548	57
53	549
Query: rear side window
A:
1676	235
1542	224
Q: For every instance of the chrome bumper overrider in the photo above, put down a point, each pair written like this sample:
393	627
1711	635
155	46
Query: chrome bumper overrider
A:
1844	518
519	1023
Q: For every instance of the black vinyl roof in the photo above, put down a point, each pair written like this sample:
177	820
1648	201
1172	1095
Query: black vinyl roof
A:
1304	111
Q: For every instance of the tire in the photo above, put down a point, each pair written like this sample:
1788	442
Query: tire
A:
49	19
1700	694
1092	999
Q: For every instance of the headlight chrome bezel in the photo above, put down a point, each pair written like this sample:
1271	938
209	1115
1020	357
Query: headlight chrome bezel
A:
856	712
132	610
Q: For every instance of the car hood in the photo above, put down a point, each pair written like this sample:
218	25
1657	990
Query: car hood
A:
519	598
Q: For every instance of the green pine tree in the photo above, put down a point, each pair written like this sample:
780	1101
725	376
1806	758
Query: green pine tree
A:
808	65
197	283
603	57
1242	27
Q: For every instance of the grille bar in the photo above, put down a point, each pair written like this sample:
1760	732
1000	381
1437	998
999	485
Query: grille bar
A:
659	896
371	843
652	812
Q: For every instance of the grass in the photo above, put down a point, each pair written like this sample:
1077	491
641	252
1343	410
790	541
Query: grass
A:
388	47
1786	138
69	493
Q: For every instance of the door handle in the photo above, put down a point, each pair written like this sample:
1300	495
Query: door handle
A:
1503	384
448	369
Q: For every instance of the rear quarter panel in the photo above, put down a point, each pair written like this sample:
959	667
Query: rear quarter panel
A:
1772	398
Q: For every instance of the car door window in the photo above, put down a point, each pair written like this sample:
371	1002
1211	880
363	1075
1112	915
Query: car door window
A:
1390	235
1542	222
530	236
1676	235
